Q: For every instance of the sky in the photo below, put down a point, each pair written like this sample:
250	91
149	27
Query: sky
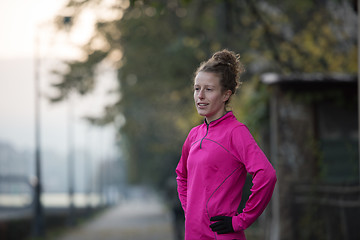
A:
20	22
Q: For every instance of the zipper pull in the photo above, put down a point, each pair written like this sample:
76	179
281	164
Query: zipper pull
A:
207	130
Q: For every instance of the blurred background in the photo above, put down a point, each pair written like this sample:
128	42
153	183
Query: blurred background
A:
96	102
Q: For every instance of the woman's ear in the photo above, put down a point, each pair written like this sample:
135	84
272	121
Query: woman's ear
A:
227	95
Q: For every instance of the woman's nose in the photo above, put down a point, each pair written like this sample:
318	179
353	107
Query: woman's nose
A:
201	94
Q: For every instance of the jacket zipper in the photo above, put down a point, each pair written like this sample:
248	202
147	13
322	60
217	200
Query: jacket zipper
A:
207	130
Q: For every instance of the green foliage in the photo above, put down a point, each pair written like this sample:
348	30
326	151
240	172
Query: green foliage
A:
252	98
157	45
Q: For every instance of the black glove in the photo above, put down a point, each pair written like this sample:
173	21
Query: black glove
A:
223	224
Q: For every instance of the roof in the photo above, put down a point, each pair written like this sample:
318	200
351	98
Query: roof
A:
275	78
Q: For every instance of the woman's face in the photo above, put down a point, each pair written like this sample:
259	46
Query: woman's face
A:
209	97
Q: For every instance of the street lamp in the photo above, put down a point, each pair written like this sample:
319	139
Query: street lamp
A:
38	223
71	162
67	21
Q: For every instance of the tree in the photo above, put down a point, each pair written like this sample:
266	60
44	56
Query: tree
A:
157	45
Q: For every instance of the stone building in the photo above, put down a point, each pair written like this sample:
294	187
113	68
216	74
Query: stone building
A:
314	148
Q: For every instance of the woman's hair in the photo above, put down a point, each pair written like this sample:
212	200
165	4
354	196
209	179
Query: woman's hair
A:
226	64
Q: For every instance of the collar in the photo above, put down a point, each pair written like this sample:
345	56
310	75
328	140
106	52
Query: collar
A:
228	114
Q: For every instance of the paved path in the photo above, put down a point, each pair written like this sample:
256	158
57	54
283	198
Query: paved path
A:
132	220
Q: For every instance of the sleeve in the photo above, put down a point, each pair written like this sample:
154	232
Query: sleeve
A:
263	177
181	172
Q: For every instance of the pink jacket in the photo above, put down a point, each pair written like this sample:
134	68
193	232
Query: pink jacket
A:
211	173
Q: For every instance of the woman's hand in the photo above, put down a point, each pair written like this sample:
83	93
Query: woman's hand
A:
223	224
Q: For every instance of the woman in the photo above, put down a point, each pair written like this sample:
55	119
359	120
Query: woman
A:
216	157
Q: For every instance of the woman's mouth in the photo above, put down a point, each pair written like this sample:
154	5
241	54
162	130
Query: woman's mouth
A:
202	105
